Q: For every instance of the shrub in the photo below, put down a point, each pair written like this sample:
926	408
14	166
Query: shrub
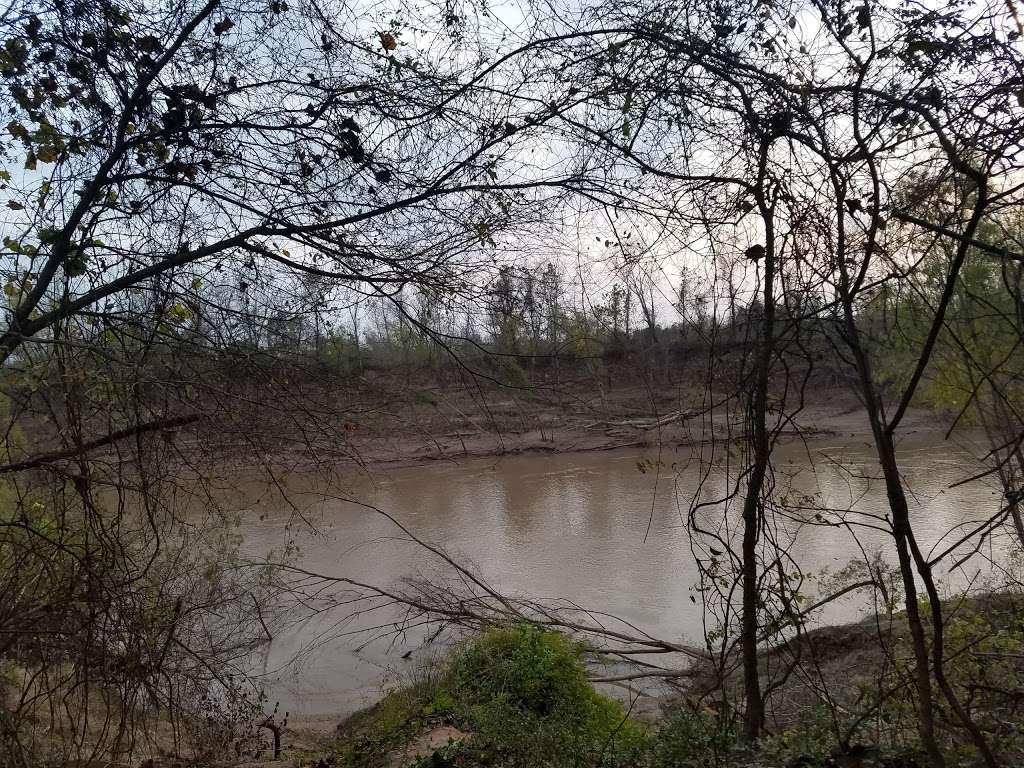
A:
693	739
524	692
523	667
368	737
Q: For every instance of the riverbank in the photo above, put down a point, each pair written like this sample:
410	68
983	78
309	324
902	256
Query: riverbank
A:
599	531
402	424
519	697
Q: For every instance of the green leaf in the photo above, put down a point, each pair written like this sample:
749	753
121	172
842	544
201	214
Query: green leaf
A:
180	313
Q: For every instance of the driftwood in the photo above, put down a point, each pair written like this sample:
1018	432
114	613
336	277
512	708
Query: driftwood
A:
643	424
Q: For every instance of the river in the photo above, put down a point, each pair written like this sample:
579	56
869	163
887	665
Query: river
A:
605	530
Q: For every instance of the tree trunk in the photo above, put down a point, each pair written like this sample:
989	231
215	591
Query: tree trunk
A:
752	506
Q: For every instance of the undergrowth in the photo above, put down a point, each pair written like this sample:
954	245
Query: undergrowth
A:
521	692
522	697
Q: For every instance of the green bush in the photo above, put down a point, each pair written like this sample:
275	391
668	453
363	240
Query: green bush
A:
524	693
522	667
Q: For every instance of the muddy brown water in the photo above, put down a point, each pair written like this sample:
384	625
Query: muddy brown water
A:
602	530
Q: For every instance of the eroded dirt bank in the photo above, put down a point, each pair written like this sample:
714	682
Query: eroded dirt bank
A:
410	424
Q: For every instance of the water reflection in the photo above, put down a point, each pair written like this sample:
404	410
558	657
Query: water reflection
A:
588	527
